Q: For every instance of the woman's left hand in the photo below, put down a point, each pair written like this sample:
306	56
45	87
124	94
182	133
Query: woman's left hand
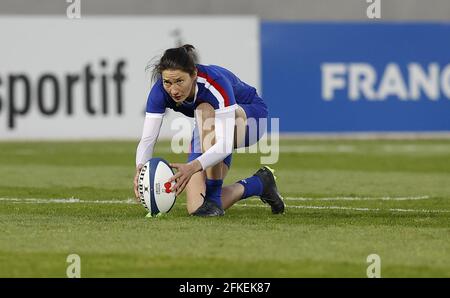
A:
184	174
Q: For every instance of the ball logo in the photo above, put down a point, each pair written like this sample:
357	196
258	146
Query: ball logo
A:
167	185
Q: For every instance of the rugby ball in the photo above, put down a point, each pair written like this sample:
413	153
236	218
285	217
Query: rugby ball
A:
154	188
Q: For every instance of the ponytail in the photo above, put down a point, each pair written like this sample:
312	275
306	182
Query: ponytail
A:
182	58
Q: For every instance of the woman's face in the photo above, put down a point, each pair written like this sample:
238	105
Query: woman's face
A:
179	84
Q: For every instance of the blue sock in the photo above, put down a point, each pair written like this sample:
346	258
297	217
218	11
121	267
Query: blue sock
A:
252	187
214	191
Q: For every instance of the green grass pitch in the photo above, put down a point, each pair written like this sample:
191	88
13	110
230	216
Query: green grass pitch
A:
345	200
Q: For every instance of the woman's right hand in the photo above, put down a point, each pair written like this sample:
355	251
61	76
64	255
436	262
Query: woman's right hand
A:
136	191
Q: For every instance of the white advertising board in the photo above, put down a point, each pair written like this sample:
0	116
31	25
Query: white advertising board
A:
85	78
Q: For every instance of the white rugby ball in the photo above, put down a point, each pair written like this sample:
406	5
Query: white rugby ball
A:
154	188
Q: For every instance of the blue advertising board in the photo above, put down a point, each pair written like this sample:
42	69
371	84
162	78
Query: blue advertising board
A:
357	77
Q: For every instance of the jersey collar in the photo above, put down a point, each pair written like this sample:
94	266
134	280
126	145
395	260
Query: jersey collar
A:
196	91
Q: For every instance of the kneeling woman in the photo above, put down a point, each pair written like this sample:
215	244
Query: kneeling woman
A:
222	105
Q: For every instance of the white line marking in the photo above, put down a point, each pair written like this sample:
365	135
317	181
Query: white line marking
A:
133	201
65	201
358	198
353	208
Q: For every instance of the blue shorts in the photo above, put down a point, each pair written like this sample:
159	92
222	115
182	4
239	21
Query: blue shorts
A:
255	129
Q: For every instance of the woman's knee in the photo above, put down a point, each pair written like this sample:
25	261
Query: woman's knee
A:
205	111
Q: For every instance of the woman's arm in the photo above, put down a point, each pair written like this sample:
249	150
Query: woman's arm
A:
144	151
224	134
224	123
150	132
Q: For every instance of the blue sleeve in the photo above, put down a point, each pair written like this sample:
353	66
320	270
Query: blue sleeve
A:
156	102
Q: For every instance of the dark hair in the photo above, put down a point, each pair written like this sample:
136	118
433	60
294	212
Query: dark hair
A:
182	58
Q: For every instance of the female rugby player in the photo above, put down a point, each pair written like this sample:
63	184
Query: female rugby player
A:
221	105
